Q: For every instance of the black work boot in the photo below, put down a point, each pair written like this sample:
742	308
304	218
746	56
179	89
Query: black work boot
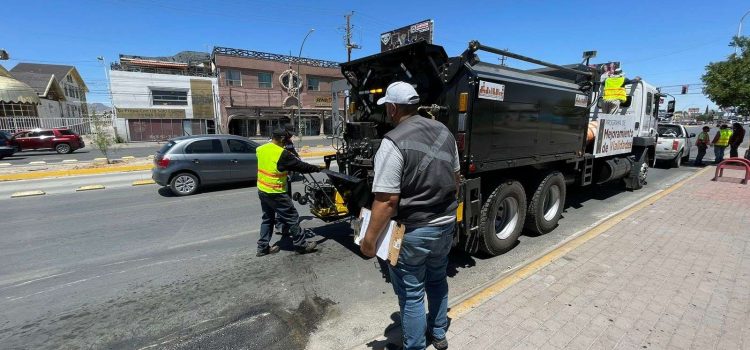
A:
270	250
440	344
309	247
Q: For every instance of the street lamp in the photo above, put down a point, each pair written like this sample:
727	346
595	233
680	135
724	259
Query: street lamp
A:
109	88
739	29
299	91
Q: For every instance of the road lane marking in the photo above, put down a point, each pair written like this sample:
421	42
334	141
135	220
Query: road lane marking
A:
36	280
28	194
5	164
39	162
143	182
70	161
90	188
527	270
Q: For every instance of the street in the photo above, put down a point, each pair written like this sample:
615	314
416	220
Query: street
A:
89	152
134	267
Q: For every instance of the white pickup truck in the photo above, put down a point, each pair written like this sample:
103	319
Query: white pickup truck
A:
673	144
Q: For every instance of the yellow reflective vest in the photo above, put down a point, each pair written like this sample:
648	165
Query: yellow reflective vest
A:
724	135
270	179
613	89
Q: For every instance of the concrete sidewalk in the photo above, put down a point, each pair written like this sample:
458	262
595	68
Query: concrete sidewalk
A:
673	275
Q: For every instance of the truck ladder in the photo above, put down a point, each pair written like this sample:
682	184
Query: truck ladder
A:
588	170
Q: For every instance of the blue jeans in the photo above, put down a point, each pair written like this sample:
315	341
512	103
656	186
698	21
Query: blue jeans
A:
421	268
719	153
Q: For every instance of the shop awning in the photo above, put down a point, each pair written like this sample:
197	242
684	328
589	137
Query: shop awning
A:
14	91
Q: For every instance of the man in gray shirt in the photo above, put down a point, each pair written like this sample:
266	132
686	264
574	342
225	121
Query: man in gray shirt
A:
416	182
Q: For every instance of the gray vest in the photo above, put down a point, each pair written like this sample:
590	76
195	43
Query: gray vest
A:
428	185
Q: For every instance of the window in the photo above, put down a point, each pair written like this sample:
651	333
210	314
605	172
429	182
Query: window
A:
204	146
65	132
239	146
69	78
18	110
166	147
264	80
649	102
47	133
313	84
234	78
169	98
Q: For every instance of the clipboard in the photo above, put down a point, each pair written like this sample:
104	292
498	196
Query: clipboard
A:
389	242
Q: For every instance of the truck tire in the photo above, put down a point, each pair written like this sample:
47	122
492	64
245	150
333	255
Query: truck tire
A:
502	218
676	161
638	174
546	204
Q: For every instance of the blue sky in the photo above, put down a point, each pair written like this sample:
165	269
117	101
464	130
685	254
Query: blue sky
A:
664	42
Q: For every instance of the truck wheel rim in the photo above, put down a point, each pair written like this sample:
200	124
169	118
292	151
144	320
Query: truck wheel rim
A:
643	173
506	218
184	184
551	202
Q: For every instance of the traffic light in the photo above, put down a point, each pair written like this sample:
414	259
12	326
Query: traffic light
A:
684	89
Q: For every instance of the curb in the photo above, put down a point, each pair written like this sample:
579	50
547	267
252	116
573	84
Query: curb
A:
143	182
493	288
73	172
27	194
89	188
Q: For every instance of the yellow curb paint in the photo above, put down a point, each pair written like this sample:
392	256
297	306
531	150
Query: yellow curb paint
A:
73	172
27	194
531	268
316	154
143	182
90	188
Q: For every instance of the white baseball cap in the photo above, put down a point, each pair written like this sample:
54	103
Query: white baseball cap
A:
400	93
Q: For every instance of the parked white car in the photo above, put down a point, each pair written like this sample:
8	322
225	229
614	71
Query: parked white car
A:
673	144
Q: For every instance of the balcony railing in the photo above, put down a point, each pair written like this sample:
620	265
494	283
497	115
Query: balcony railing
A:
140	69
228	51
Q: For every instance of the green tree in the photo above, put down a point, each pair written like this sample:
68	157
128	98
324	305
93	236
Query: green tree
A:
102	135
727	83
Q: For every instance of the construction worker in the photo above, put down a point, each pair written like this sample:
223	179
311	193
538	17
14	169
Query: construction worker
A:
738	135
614	90
702	143
720	142
274	163
415	182
289	146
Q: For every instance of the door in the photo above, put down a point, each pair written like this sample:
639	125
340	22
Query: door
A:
22	139
45	139
207	158
244	159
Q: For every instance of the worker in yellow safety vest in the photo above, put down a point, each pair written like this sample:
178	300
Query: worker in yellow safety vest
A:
721	141
614	90
274	163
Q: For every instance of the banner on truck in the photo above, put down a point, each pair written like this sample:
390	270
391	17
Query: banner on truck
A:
421	31
615	136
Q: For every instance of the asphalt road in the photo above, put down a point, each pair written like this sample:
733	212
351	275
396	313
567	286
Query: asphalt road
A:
88	153
136	268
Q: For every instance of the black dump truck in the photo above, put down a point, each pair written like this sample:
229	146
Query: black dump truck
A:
525	137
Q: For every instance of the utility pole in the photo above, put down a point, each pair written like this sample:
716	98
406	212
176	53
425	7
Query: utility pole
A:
348	37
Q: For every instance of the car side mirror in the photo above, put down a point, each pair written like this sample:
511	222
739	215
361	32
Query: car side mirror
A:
691	134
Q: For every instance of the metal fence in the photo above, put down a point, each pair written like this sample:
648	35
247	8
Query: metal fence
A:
81	126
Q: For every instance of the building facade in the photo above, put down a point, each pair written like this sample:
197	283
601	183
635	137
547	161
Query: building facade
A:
259	91
18	103
158	98
60	88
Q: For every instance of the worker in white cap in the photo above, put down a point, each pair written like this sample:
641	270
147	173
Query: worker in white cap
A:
416	182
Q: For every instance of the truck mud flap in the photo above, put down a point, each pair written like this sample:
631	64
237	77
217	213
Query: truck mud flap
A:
468	228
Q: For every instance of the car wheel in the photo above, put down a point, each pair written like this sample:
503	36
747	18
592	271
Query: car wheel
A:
546	204
677	161
63	148
502	218
184	184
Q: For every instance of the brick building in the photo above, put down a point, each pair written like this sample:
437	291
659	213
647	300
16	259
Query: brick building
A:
254	94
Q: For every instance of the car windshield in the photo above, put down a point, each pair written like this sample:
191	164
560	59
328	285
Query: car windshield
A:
670	131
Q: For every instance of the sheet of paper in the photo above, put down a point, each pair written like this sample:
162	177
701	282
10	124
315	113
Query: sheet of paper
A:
383	240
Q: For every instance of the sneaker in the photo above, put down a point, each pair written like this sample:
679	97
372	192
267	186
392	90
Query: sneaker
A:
270	250
440	344
309	247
